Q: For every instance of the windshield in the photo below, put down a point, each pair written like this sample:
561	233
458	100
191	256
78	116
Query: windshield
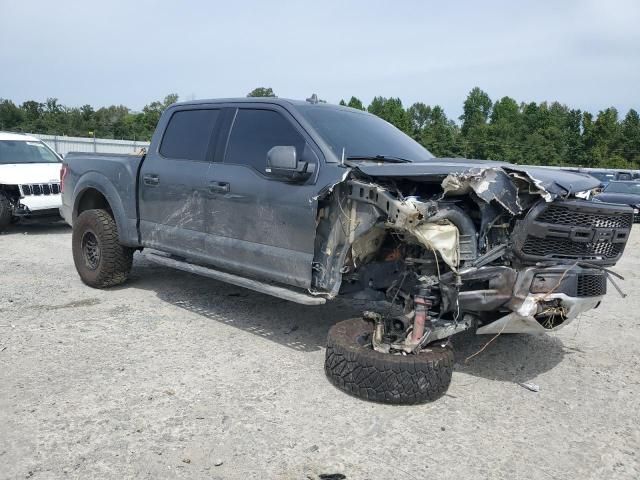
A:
619	187
603	176
25	151
362	135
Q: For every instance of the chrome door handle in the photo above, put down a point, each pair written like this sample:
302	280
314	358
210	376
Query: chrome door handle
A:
219	187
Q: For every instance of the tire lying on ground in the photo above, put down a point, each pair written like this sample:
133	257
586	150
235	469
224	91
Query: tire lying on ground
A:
355	367
98	256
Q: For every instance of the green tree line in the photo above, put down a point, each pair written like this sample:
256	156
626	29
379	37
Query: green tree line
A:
526	133
116	121
546	133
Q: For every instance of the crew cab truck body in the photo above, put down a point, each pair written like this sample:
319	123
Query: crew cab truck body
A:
29	179
309	201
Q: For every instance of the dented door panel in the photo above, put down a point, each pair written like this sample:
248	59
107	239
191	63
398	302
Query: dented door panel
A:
263	227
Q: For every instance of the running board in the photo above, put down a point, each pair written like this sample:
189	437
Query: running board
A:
275	291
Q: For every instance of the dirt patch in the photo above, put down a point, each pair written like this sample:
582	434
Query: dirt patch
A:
88	302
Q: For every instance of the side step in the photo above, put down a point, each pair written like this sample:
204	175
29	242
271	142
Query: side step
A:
280	292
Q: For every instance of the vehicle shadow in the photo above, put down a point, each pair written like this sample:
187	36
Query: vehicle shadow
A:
300	327
515	358
42	226
512	358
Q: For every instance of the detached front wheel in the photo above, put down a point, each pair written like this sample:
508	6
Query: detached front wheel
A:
354	366
98	256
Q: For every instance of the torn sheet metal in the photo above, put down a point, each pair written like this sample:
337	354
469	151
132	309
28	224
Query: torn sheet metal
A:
522	320
412	216
443	238
490	184
534	387
535	185
556	183
329	188
501	185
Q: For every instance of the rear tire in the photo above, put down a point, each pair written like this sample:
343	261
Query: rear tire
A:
99	258
5	212
354	366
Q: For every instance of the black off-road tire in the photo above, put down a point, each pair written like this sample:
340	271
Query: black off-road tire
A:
5	212
100	260
354	366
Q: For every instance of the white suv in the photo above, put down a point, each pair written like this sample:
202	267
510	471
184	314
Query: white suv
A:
29	178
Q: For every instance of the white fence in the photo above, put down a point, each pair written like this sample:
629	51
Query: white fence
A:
64	145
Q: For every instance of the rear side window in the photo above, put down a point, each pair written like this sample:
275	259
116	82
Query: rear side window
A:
188	134
255	132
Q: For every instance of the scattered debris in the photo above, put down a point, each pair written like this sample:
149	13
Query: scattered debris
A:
530	386
291	329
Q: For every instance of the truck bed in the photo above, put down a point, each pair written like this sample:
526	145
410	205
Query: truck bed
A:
115	176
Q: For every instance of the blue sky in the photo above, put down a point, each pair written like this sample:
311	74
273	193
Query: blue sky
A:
584	53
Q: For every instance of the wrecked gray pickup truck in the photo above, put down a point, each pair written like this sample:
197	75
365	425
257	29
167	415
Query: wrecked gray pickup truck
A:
308	201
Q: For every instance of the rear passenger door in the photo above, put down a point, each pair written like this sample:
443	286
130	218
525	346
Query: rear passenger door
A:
173	185
258	224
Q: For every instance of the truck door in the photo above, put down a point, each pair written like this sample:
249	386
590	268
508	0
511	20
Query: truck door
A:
257	224
173	185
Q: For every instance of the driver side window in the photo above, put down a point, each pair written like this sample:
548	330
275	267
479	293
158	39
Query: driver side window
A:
255	132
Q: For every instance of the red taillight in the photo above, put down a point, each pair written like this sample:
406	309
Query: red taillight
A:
63	173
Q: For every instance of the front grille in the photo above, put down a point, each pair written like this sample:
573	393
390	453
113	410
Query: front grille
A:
565	248
591	285
573	230
40	189
560	215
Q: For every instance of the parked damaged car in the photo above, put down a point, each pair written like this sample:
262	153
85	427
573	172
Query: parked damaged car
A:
29	179
309	202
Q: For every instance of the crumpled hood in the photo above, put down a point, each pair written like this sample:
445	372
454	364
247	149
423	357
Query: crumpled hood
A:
26	173
555	181
623	198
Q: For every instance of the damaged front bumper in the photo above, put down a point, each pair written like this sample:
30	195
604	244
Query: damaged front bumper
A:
40	205
533	300
501	248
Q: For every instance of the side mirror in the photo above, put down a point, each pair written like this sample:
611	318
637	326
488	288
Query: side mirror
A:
282	158
282	161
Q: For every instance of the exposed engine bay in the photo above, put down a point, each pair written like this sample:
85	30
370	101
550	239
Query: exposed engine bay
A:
496	249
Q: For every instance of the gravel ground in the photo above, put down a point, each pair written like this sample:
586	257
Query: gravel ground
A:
177	376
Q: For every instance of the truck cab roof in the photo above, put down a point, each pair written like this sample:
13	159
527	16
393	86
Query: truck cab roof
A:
285	102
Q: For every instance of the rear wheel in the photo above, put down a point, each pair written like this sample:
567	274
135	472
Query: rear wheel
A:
355	367
5	212
98	256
